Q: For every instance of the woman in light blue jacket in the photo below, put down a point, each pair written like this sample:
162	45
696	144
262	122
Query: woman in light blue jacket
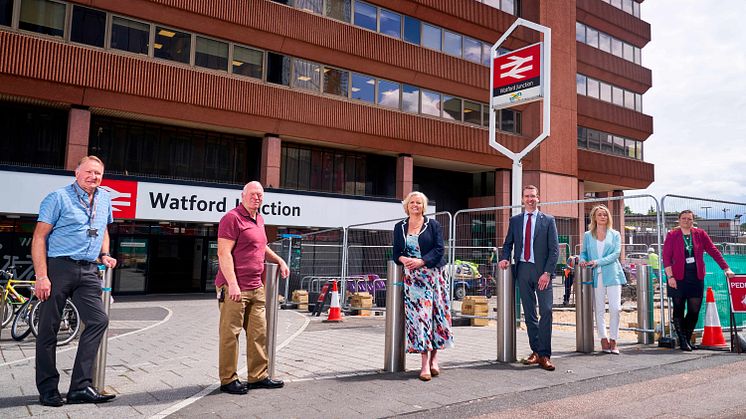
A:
602	246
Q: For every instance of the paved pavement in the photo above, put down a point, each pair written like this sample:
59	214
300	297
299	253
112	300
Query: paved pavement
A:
163	362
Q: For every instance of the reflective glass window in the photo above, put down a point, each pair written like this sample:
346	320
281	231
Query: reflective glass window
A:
579	32
210	53
594	140
593	88
619	146
365	16
627	6
605	92
472	112
313	6
6	12
580	82
452	43
638	102
486	54
582	137
336	81
451	108
430	103
388	93
390	23
617	96
508	6
507	120
363	87
307	75
485	115
591	37
630	148
492	3
617	3
339	9
431	36
171	44
472	50
42	16
607	143
629	99
616	47
247	62
604	42
410	99
412	30
129	35
638	56
636	9
628	52
88	26
278	69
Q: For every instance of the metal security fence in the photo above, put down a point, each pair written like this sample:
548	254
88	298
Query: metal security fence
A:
722	220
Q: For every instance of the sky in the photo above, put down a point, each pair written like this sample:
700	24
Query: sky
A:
698	100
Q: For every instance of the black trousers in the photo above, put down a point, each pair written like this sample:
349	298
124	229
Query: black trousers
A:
82	284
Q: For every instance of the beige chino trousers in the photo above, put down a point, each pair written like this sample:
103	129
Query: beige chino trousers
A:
249	315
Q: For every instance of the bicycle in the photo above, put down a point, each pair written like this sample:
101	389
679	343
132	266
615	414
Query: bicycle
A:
11	300
69	322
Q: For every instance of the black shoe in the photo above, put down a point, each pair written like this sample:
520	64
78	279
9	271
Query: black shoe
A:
51	398
87	395
235	387
267	383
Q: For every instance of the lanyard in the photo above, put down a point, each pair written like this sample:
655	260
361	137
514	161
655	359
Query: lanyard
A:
90	210
688	245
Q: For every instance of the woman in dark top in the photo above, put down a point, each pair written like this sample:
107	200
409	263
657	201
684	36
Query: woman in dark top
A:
683	259
418	246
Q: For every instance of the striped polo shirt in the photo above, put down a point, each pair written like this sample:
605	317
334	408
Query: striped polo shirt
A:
68	211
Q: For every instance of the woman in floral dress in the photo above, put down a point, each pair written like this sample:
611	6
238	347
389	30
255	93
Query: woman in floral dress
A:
418	246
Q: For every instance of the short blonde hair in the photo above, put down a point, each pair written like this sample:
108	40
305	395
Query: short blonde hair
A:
409	197
91	157
592	226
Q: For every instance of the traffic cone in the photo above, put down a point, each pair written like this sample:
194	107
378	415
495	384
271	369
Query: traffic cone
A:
713	335
335	311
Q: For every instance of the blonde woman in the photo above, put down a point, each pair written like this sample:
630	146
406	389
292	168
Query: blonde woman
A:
418	245
602	246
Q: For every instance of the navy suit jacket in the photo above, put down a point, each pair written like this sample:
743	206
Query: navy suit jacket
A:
546	243
430	240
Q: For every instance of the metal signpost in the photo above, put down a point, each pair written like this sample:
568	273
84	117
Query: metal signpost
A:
737	294
99	370
271	313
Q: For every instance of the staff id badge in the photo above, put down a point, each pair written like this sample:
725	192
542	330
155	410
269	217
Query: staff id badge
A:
690	260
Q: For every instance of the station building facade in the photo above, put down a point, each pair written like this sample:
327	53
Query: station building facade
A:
339	107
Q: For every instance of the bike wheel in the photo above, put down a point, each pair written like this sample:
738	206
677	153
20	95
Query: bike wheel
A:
7	313
69	324
21	322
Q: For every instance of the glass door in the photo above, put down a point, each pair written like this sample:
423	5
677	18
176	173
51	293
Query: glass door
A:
132	266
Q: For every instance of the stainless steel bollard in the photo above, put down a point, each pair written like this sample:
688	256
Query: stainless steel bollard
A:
506	349
394	359
272	305
99	368
644	305
584	310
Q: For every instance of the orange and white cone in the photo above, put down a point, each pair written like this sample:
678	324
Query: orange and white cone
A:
335	310
713	335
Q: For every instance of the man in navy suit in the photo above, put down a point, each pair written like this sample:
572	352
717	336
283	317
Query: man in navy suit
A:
533	236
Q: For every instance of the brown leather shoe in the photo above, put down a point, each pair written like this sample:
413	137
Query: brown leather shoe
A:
532	359
545	363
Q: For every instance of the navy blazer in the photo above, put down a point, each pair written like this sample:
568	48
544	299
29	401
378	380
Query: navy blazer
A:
546	243
430	240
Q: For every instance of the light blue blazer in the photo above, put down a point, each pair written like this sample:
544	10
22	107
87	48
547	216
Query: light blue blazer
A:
608	263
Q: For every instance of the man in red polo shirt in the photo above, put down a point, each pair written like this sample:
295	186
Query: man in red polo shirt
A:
242	249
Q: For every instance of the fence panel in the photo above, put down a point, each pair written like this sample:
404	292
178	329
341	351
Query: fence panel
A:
722	222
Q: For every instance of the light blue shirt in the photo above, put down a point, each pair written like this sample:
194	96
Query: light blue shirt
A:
533	230
68	211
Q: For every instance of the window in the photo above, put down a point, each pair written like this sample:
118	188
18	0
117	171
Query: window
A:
636	9
88	26
431	37
6	12
594	140
278	69
211	54
410	99
604	42
129	35
307	75
486	115
508	6
580	82
365	16
339	9
452	43
592	37
627	6
430	103
582	137
628	52
629	99
390	23
508	120
388	94
412	30
472	112
451	108
638	55
607	143
617	96
42	16
579	32
593	88
363	87
313	6
616	47
605	92
472	50
247	62
171	44
486	54
638	102
335	81
32	135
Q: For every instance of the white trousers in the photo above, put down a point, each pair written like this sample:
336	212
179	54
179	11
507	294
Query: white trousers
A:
614	294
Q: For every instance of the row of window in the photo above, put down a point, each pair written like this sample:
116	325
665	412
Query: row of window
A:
592	139
100	29
629	6
607	43
32	136
407	28
512	7
596	89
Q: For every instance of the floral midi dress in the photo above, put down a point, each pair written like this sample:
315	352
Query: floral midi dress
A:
426	305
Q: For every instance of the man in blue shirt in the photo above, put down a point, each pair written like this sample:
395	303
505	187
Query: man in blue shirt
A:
71	233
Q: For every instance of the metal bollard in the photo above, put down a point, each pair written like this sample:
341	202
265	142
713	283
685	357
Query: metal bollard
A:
394	359
644	305
271	284
506	325
584	310
99	368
